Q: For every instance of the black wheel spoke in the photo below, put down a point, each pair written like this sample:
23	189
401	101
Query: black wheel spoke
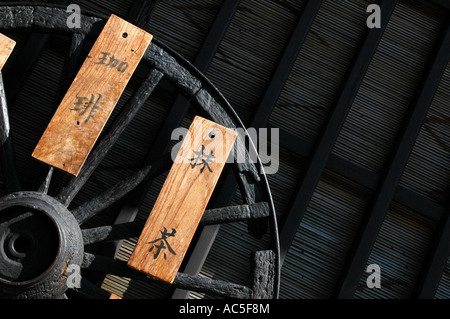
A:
112	232
7	158
90	291
212	286
108	265
211	216
235	213
46	183
118	191
184	281
69	192
72	62
264	274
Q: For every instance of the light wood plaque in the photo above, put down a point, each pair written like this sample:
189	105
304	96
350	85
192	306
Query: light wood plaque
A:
183	198
6	47
95	91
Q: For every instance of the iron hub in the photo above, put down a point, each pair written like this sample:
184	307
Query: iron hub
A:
39	240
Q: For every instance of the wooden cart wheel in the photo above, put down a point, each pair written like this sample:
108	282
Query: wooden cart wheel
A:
42	241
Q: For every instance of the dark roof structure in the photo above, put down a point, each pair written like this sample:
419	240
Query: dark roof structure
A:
360	117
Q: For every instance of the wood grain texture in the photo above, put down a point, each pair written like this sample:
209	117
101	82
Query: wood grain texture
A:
95	91
6	47
184	196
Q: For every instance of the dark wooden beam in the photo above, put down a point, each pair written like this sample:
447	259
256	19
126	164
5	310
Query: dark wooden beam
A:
436	261
222	215
202	61
140	12
373	220
365	177
356	173
24	63
331	129
285	64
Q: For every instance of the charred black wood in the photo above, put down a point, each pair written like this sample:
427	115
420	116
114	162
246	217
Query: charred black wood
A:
235	213
167	64
88	290
264	274
251	193
108	265
46	183
118	191
7	157
211	286
112	232
112	195
45	18
211	216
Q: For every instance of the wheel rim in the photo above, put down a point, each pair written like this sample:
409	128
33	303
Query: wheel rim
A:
162	62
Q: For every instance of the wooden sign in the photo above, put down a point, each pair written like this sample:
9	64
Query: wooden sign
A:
91	98
6	47
183	198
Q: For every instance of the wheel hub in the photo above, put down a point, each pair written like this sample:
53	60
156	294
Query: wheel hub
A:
39	239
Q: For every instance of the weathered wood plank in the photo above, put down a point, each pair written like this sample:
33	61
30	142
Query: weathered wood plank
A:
95	91
6	47
182	200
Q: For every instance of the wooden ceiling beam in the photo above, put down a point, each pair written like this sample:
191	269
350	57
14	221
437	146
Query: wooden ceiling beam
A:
373	220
